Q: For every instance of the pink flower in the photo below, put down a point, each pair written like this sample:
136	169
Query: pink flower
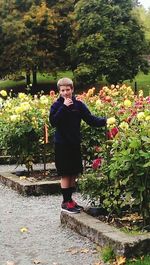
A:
121	111
148	99
97	163
52	93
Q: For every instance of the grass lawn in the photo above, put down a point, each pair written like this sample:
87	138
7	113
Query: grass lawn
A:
143	82
47	82
41	78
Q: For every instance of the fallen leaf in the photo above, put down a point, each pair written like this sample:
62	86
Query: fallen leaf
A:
22	177
23	229
98	248
84	250
94	251
72	250
10	263
75	251
37	261
120	260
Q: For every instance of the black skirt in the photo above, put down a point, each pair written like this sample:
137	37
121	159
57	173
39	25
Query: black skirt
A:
68	160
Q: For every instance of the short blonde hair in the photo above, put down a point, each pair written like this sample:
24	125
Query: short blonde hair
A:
64	82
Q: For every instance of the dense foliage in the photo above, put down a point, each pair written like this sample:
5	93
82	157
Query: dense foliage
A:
93	38
107	41
119	179
22	121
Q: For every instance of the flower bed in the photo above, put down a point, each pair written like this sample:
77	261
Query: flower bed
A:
24	125
118	156
120	178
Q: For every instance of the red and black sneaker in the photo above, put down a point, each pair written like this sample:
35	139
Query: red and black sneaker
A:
69	207
77	206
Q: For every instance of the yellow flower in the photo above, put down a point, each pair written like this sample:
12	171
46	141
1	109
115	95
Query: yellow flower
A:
90	92
115	93
106	89
124	126
25	106
3	93
22	95
44	99
111	121
99	104
43	112
147	118
141	93
127	103
141	116
14	118
129	89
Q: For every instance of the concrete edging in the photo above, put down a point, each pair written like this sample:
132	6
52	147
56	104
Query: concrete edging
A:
26	188
104	234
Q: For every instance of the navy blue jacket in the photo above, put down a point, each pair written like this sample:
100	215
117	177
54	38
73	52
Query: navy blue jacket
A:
67	120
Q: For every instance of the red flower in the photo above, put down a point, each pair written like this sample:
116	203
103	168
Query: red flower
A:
97	148
96	163
112	133
128	119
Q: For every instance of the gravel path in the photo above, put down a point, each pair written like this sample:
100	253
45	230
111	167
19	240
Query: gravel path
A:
44	240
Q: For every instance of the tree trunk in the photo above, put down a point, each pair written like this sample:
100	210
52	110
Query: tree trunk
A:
28	81
34	83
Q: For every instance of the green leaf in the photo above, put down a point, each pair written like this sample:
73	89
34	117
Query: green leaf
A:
147	164
145	139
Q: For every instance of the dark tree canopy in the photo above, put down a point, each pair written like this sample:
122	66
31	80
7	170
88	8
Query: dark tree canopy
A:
94	38
107	40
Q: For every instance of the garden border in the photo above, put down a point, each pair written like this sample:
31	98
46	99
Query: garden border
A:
26	188
106	235
84	224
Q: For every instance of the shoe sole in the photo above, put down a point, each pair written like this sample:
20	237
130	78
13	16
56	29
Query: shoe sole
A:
65	210
80	209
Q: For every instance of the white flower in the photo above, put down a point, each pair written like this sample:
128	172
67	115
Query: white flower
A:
124	126
141	116
111	121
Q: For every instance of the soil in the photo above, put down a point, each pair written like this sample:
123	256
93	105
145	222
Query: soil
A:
128	222
38	175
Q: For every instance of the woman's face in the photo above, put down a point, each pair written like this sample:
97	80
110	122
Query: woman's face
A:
66	91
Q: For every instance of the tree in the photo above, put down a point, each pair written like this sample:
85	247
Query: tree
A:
143	16
107	40
30	37
41	46
63	9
